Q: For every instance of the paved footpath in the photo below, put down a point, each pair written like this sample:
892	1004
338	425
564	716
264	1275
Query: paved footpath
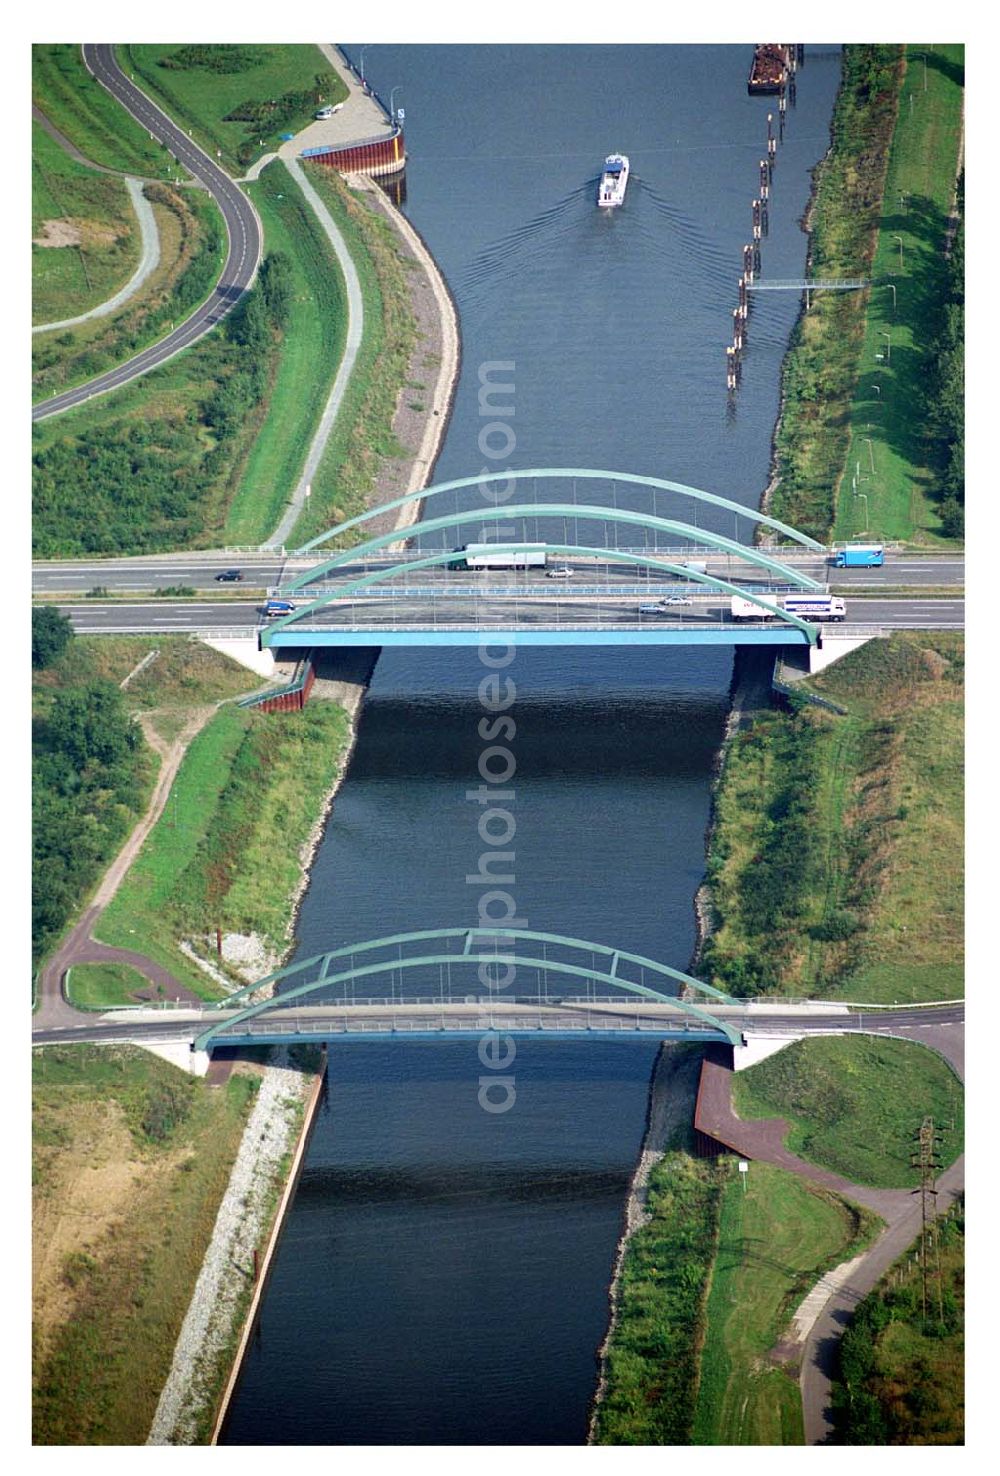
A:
763	1139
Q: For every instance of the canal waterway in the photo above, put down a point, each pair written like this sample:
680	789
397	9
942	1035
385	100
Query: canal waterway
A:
444	1271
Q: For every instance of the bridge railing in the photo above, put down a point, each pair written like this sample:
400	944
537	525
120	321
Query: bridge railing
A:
266	1026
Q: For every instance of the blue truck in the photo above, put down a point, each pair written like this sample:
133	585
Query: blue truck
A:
860	556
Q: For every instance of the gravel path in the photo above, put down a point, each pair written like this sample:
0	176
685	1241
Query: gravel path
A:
149	260
240	1225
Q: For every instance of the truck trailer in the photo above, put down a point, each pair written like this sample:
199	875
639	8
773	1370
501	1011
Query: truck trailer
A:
499	556
860	556
805	606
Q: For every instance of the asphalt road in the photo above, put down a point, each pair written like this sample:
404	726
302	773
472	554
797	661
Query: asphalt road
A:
122	616
335	1019
198	570
242	228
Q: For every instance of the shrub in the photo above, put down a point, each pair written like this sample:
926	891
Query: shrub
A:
51	633
167	1105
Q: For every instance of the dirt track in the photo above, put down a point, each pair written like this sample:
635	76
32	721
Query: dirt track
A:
54	1010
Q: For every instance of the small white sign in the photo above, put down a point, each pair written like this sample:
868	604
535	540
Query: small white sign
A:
744	1166
401	114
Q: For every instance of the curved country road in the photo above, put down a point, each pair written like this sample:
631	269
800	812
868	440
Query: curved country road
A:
242	228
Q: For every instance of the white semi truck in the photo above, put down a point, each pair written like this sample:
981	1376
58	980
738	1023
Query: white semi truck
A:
805	606
499	556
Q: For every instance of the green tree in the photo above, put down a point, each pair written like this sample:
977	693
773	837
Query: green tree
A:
91	724
51	633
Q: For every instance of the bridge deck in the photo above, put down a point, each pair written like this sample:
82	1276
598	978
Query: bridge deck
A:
675	634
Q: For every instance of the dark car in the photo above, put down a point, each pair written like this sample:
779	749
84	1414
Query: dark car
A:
229	576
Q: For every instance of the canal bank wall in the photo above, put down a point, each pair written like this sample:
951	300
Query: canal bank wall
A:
266	1261
278	1124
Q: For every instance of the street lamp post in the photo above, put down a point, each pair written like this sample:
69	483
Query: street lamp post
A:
888	345
892	288
867	440
361	68
864	497
392	100
900	240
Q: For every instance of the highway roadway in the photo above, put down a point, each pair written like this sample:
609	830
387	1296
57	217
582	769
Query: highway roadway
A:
265	570
242	228
545	610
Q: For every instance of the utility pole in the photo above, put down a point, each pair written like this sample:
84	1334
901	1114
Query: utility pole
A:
925	1157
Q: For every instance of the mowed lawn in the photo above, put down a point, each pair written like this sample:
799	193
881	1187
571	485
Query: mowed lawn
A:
89	220
777	1236
102	986
202	86
311	350
855	1103
887	424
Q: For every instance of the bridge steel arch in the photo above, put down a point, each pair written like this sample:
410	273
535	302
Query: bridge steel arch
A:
574	472
557	510
377	576
324	979
217	1033
618	956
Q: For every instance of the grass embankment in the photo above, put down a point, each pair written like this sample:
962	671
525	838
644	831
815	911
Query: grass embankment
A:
102	986
362	437
706	1288
237	100
777	1236
854	1104
86	114
821	366
192	248
225	853
652	1365
92	774
85	238
901	1375
155	466
185	673
830	406
130	1160
903	491
311	350
819	872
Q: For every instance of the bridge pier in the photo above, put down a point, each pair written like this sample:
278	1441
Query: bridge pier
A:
179	1053
833	648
